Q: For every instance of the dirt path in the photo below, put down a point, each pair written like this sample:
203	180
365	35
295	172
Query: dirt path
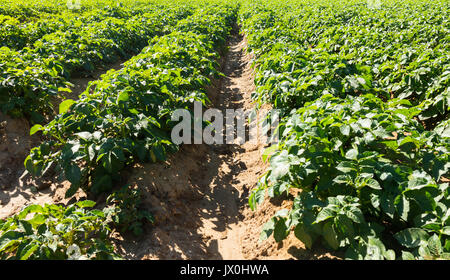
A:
199	196
242	165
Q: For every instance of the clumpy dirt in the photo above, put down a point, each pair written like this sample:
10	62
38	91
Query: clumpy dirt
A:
199	196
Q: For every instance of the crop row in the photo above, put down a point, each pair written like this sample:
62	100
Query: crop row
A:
351	50
364	146
26	11
121	118
31	77
16	35
125	116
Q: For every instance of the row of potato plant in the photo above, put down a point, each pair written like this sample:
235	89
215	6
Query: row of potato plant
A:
27	11
32	77
347	48
367	173
16	34
54	232
120	118
125	116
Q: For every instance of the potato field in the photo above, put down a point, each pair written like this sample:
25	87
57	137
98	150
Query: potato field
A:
90	168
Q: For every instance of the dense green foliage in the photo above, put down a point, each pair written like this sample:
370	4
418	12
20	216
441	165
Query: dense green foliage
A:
121	118
126	115
72	232
56	232
17	35
362	89
31	77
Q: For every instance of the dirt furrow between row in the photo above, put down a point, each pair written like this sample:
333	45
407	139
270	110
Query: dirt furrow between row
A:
199	196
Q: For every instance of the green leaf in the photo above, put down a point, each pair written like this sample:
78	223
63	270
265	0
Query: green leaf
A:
72	190
268	152
344	226
346	166
425	252
34	208
133	111
280	165
343	179
303	236
411	237
325	214
435	246
28	251
330	235
352	154
402	206
65	105
446	230
36	128
91	152
256	197
282	213
73	173
85	204
345	130
356	215
365	123
375	249
37	220
423	198
8	238
407	256
372	183
123	97
27	227
447	245
267	230
389	255
85	135
280	230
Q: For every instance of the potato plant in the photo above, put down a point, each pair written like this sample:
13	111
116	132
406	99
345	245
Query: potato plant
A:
54	232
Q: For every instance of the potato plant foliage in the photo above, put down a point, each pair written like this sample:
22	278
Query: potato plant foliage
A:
364	151
123	117
36	69
126	210
364	91
56	232
73	232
